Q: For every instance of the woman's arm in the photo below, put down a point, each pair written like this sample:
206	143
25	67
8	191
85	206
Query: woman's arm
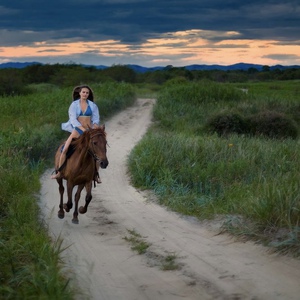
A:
95	119
73	115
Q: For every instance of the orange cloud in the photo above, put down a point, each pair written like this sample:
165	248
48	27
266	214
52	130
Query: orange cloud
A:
41	49
184	47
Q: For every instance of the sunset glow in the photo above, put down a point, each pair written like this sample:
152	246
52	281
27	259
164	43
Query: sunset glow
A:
189	45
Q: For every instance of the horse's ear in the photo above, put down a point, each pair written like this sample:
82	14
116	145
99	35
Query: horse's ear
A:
102	127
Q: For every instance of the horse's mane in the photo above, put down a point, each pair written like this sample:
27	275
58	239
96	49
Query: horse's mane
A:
100	130
84	139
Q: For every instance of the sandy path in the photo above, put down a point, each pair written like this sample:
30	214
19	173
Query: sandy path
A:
102	265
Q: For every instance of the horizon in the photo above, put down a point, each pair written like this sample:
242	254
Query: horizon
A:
140	65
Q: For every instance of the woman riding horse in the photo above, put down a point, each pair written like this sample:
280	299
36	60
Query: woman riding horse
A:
89	152
83	115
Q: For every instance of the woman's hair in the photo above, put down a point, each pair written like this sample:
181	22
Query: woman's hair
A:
78	89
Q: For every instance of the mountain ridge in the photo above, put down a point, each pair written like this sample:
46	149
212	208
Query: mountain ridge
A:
141	69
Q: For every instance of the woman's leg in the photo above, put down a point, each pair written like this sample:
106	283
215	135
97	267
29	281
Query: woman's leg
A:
63	154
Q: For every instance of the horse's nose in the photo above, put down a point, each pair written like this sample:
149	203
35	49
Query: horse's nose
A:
104	164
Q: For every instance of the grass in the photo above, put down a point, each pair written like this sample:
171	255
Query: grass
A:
30	265
137	242
169	263
165	262
146	90
273	89
202	174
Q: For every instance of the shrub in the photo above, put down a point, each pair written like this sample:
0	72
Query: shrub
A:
227	122
273	124
294	112
176	81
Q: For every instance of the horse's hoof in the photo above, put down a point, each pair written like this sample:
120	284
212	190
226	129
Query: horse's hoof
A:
61	215
75	221
82	210
66	208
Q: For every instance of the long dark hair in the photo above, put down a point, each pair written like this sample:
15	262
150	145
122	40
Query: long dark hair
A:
78	89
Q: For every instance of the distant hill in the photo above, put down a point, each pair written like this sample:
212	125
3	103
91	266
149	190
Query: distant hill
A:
141	69
17	65
239	66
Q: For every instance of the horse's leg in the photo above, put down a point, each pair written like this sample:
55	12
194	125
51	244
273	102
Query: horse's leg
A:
77	197
88	198
69	204
61	213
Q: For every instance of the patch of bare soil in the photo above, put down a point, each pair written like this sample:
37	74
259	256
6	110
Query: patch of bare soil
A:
204	264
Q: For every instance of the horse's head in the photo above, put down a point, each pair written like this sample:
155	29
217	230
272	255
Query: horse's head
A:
98	144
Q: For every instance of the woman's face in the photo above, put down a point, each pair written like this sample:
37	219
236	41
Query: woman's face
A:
84	93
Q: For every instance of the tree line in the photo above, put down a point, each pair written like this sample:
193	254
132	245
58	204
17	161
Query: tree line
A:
14	81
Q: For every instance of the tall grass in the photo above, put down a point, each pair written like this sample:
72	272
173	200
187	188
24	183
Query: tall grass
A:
30	265
196	173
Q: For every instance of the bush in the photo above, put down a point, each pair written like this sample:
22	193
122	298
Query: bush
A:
176	81
266	123
273	124
226	123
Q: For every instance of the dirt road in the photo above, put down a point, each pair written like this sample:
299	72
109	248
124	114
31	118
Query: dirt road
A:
101	263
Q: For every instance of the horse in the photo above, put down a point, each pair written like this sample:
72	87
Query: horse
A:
88	152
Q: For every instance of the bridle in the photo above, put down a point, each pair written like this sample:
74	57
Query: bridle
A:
92	152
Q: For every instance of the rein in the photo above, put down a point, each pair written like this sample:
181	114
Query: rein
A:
92	153
95	157
89	151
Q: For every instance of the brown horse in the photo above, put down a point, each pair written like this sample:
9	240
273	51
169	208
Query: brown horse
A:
89	152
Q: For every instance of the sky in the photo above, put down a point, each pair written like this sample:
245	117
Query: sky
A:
150	32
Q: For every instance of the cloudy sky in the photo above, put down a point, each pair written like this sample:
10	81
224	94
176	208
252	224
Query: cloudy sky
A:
150	32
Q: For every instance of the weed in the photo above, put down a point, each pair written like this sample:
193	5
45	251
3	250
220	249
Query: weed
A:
137	242
169	263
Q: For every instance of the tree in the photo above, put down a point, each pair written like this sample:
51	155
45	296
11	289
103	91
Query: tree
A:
12	83
265	68
121	73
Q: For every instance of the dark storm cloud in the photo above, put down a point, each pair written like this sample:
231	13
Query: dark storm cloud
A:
135	21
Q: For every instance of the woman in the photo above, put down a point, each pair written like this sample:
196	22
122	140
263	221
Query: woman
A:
83	114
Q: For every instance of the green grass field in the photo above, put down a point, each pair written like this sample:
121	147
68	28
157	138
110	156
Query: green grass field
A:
250	180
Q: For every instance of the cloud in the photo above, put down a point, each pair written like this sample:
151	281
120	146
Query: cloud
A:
283	56
4	11
137	20
171	25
